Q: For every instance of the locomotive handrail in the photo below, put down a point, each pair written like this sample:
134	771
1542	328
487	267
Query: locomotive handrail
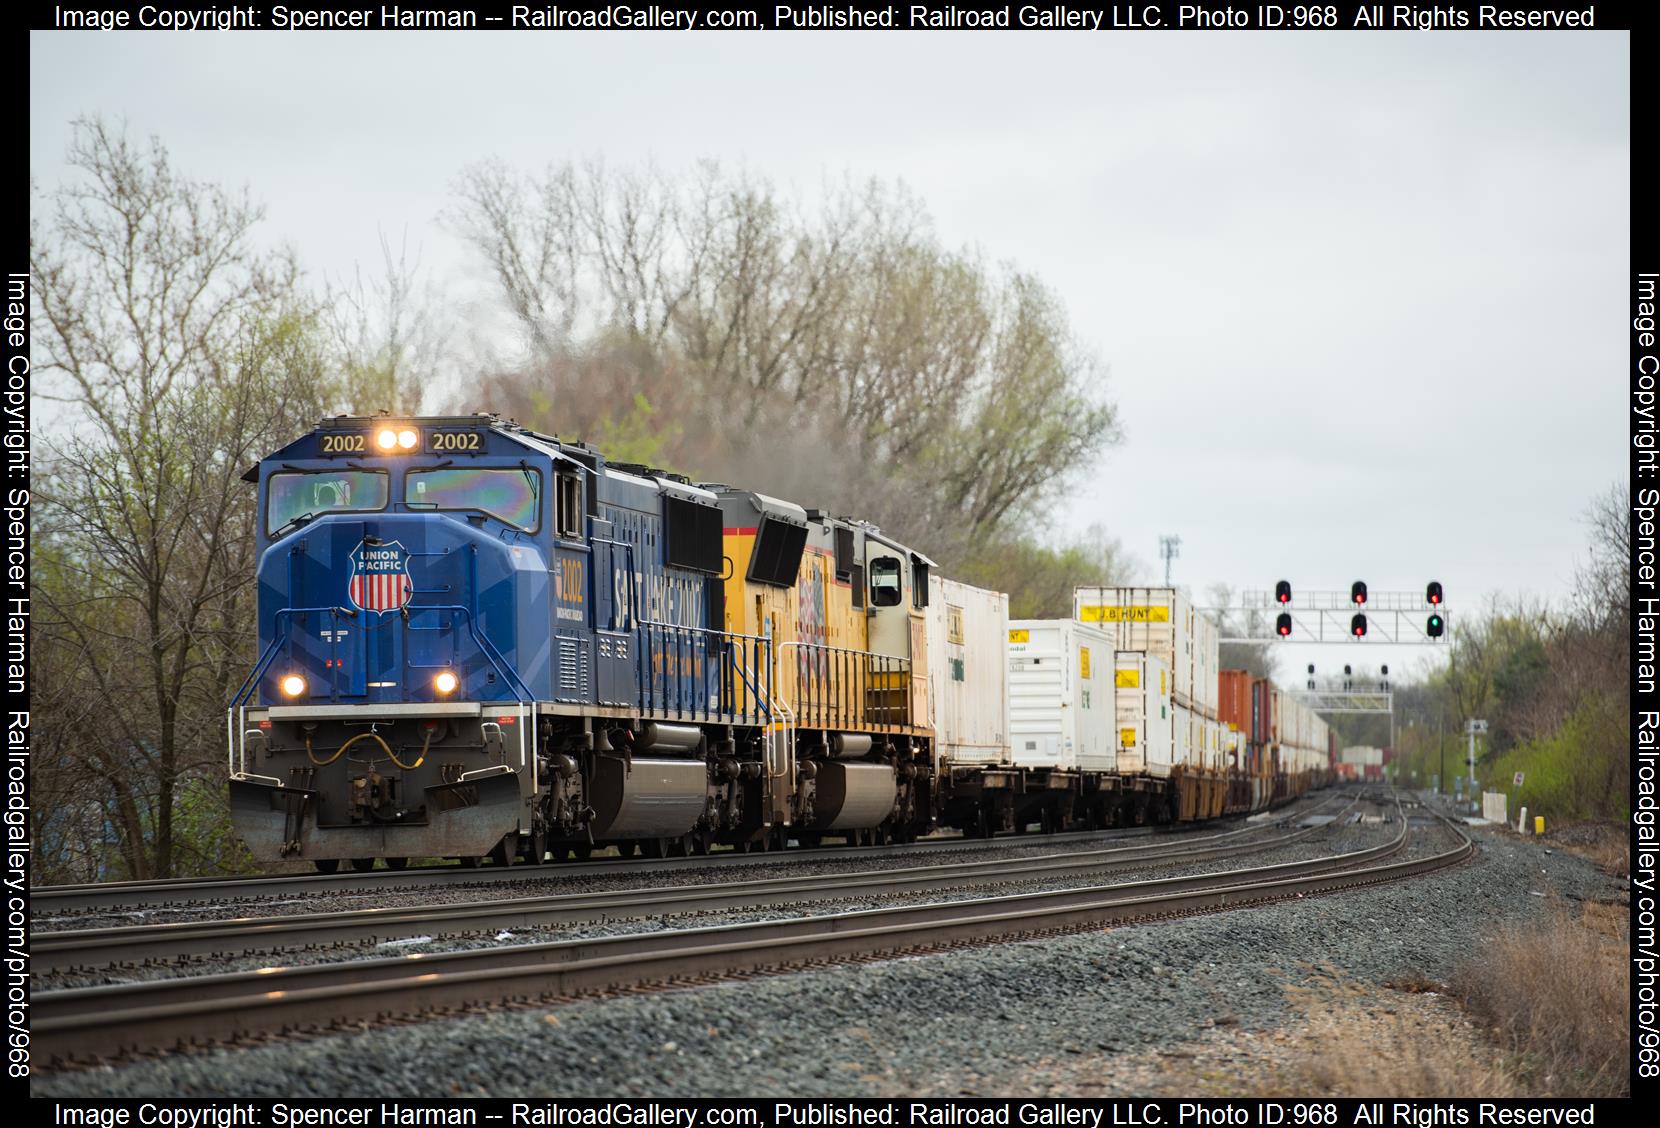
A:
731	648
522	693
270	653
845	700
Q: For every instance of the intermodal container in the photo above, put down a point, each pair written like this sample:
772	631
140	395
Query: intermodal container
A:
1145	726
968	670
1062	705
1233	699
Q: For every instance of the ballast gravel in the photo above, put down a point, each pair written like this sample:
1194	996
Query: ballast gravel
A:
989	1021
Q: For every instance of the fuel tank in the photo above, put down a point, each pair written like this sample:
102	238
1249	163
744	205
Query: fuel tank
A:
648	798
852	796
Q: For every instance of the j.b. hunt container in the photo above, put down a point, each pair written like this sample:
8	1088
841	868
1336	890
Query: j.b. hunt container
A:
968	667
1062	704
1161	621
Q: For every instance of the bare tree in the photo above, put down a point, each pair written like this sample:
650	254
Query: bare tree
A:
845	350
181	353
388	335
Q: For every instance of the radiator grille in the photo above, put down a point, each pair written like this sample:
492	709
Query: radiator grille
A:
573	670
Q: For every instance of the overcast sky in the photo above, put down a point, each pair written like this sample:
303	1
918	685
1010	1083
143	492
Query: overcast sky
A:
1360	296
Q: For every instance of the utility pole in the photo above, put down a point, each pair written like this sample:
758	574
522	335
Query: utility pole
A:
1169	548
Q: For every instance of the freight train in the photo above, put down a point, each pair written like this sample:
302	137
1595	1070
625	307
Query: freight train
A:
478	641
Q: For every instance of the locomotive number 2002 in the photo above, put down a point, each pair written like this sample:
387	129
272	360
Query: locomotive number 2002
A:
344	444
457	440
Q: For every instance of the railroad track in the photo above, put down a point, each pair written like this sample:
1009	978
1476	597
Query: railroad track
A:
94	1023
120	895
132	944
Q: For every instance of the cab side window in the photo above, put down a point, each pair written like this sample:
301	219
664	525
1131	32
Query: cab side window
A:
568	506
885	582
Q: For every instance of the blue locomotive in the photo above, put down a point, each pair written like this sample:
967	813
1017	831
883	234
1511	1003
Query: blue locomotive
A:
476	640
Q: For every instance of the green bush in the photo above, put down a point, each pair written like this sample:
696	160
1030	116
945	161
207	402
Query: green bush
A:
1577	773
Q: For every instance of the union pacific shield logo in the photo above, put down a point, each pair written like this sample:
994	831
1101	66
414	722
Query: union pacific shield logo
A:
380	576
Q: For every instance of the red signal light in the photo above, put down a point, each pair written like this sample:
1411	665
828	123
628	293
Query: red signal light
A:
1283	626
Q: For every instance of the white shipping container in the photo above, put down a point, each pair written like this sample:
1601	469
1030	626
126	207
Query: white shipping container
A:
968	667
1183	752
1144	732
1061	697
1161	621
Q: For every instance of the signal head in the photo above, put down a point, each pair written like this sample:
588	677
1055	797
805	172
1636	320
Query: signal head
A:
1282	591
1435	627
1357	625
1357	591
1283	625
1433	594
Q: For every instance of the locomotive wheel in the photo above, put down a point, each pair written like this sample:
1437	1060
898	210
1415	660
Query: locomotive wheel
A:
700	844
469	861
327	865
506	852
626	849
583	852
397	863
651	848
536	847
363	865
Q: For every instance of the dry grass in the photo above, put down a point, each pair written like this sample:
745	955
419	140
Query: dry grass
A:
1422	1046
1609	846
1612	855
1557	998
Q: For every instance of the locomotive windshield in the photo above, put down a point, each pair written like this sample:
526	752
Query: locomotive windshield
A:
510	495
295	494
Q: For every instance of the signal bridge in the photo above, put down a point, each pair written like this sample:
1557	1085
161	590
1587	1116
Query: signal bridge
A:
1376	601
1347	695
1406	617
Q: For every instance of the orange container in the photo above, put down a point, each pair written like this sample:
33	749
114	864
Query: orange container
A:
1233	706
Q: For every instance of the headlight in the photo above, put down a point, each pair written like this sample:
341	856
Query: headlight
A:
445	682
407	439
293	685
387	439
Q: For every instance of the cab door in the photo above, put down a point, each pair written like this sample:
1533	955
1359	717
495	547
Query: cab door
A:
616	611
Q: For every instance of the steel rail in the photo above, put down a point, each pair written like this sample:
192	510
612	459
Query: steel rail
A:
119	895
198	890
103	1021
61	950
